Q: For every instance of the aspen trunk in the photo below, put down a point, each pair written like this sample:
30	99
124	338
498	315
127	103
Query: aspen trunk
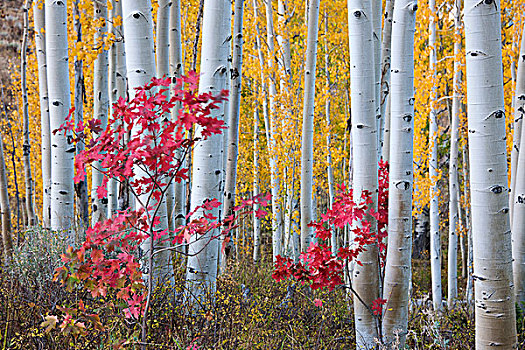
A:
81	190
493	284
5	210
364	138
40	46
207	159
453	166
385	61
30	205
140	64
307	140
519	112
398	271
62	152
117	88
256	220
435	239
233	116
377	16
517	193
99	206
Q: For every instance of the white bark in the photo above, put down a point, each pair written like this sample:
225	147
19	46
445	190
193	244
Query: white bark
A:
493	285
176	69
385	60
140	64
233	115
5	210
207	175
435	239
256	220
307	141
62	152
519	112
30	205
377	16
117	87
365	178
517	194
398	271
453	166
99	206
40	46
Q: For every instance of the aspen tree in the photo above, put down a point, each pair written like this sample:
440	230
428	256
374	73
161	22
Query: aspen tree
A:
234	109
176	69
519	112
140	65
365	279
307	140
203	250
40	46
5	210
493	284
377	16
256	220
398	271
117	85
62	151
81	190
99	206
517	193
453	165
435	241
30	205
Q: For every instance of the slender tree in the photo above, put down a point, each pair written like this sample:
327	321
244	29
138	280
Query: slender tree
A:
203	249
307	140
493	284
364	137
398	270
5	209
62	151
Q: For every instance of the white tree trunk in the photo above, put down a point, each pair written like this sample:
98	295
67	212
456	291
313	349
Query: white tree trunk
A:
40	46
377	17
5	210
435	239
176	69
270	134
519	112
62	152
384	102
517	194
493	284
30	205
398	271
140	64
203	250
453	167
256	220
117	87
99	206
307	140
233	115
364	133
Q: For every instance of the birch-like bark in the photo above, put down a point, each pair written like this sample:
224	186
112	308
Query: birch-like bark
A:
435	239
453	165
62	151
384	103
234	109
386	141
140	65
491	237
81	190
398	271
270	135
377	17
40	46
518	191
99	206
30	205
207	159
365	279
307	140
256	219
176	69
117	87
519	112
5	209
